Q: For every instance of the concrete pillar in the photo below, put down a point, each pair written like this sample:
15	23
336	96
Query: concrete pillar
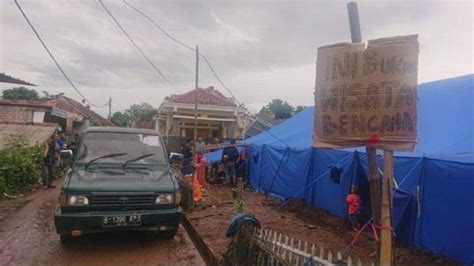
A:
175	128
231	129
157	125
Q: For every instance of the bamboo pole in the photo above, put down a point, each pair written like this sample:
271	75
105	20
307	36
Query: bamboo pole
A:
375	195
386	216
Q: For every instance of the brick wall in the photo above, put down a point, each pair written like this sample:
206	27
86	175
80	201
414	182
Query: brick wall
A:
18	113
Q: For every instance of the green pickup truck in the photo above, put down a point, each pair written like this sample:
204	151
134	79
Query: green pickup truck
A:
119	180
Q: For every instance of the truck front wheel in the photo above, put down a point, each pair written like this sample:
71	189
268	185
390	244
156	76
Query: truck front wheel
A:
65	239
168	234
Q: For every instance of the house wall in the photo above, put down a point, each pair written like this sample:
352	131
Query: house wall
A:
18	113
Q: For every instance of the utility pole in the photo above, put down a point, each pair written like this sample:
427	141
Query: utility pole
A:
110	108
196	90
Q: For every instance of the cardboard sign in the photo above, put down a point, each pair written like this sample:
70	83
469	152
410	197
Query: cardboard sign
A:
367	96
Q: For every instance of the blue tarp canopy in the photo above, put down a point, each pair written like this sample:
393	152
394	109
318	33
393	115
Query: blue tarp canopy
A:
434	203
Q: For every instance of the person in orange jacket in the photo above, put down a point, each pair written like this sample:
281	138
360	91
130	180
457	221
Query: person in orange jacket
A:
353	207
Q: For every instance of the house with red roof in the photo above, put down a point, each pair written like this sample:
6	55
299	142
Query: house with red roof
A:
218	115
66	113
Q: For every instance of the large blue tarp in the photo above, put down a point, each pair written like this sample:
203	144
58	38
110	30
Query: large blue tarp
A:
433	203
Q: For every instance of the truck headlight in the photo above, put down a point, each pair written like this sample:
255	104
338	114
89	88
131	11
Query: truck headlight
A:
165	198
77	200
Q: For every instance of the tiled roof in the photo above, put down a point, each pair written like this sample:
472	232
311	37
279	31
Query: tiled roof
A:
73	106
208	96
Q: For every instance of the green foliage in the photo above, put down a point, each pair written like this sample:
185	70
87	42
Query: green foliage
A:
20	166
48	96
20	93
281	109
142	112
136	112
299	108
122	119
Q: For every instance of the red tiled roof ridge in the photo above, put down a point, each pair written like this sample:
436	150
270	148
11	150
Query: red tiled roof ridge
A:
207	95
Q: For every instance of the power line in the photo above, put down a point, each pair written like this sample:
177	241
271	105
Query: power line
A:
205	60
54	60
185	46
136	45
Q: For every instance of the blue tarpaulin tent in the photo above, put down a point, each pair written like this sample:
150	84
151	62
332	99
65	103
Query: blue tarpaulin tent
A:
434	202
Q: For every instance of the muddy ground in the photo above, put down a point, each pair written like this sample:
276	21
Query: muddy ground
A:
28	237
211	218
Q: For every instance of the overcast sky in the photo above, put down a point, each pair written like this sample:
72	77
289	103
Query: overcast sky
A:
261	49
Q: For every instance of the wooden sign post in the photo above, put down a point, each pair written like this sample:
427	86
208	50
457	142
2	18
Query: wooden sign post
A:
366	96
374	181
385	256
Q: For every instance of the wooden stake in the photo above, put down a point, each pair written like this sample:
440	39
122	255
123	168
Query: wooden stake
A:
375	195
386	215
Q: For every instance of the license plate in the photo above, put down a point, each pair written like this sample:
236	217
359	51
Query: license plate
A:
121	220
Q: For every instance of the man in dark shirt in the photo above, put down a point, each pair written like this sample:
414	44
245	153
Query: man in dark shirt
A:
187	151
49	161
230	155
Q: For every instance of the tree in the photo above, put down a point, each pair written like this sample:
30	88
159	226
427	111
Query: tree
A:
142	112
47	96
20	93
281	109
299	108
136	112
122	119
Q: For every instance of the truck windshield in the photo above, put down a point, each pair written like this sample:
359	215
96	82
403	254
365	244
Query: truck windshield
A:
96	144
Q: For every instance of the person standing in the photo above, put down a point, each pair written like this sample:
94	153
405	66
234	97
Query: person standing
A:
353	207
49	162
200	145
61	141
215	166
230	155
60	145
187	152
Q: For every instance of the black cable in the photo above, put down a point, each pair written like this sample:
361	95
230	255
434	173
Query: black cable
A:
136	45
193	49
218	79
185	46
159	27
54	60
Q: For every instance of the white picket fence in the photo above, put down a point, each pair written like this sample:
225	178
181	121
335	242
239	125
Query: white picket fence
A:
277	249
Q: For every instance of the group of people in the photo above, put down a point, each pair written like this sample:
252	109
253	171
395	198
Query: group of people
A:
51	156
230	156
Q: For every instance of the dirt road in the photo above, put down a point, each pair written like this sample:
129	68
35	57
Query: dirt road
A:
28	237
